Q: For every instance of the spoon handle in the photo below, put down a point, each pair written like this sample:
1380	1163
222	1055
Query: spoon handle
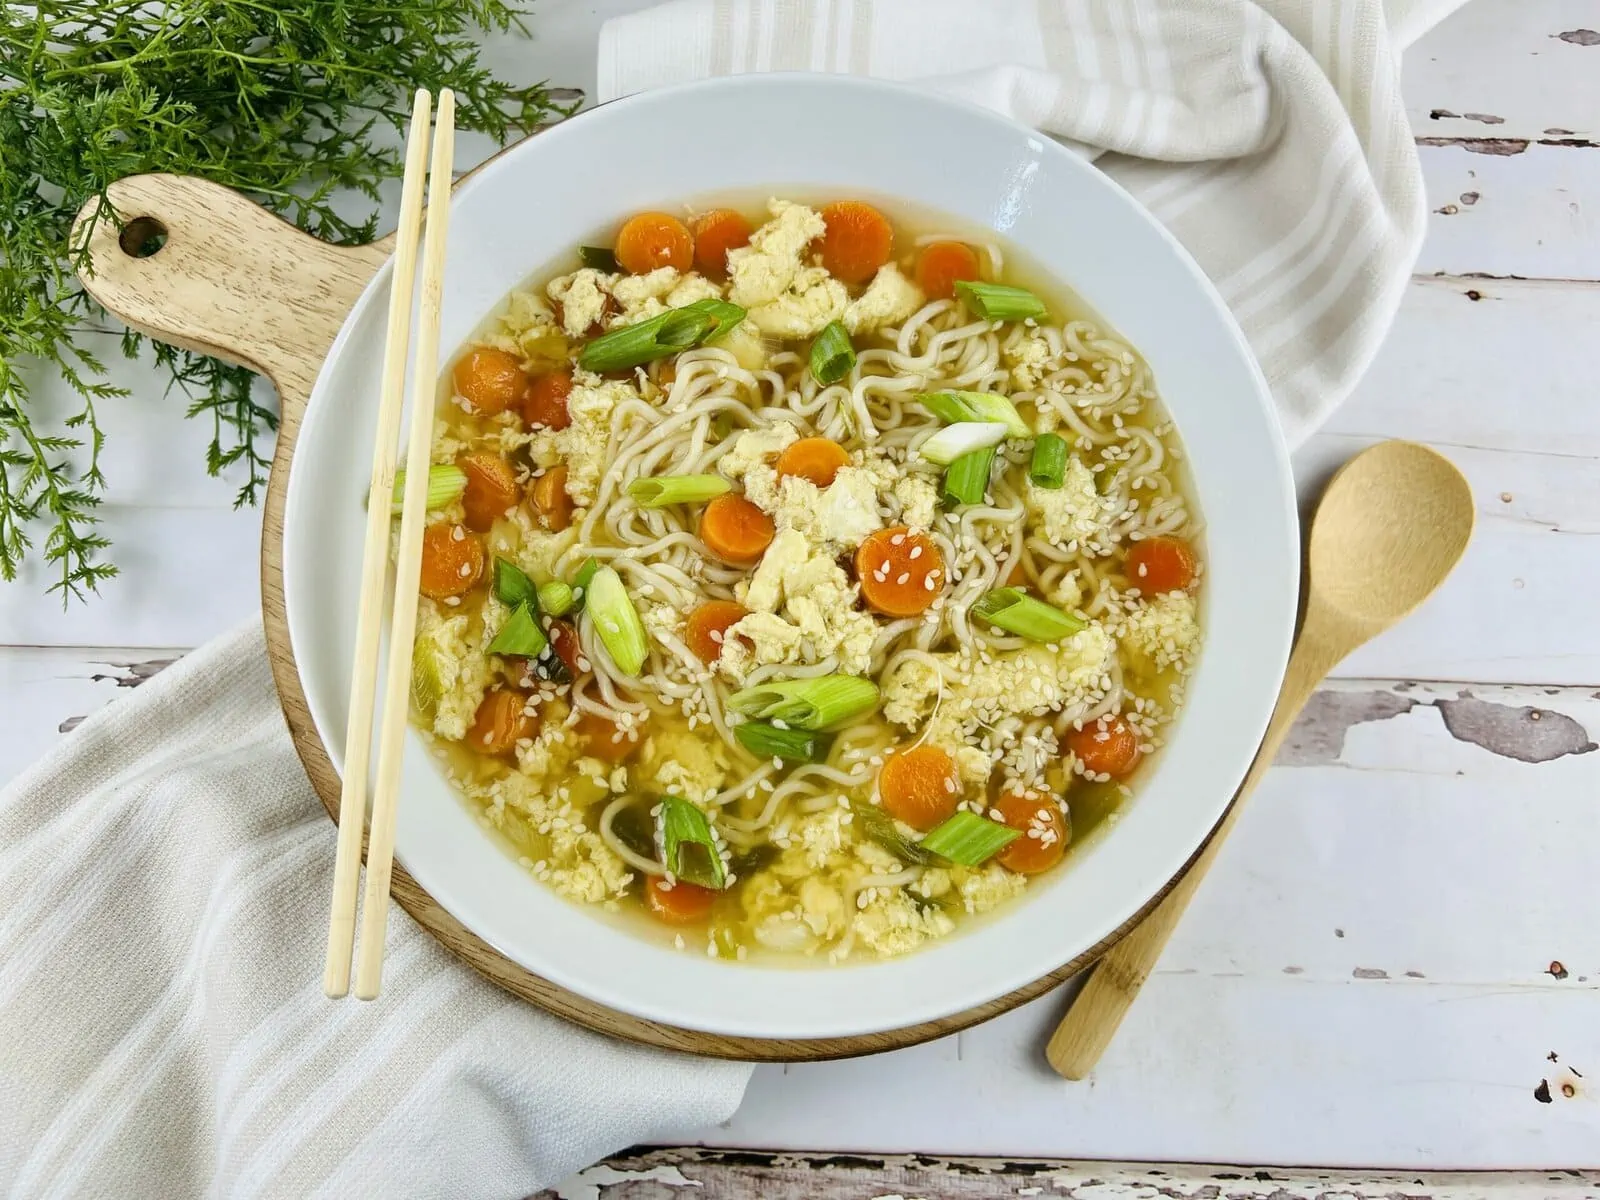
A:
1093	1015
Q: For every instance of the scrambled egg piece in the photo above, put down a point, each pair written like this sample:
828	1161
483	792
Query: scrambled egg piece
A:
641	296
1067	592
1072	516
578	863
817	601
835	518
1031	681
892	923
889	299
1165	629
988	887
1030	358
457	671
585	443
533	549
815	299
582	296
677	762
528	329
765	269
919	501
755	446
910	691
771	639
690	288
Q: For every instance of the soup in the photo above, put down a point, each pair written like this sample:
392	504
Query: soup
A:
802	582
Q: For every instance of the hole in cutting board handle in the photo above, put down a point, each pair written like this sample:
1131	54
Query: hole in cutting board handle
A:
142	237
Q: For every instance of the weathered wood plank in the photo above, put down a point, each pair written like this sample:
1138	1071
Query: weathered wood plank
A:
715	1175
1507	68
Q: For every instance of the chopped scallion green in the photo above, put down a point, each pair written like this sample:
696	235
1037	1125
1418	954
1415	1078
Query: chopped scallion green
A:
512	587
969	839
555	598
1049	466
832	355
816	703
999	301
1013	610
967	479
445	485
616	621
951	442
952	407
879	827
688	846
662	490
766	740
520	635
600	258
671	332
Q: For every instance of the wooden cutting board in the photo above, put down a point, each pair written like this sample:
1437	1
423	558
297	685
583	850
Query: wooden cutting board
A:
234	281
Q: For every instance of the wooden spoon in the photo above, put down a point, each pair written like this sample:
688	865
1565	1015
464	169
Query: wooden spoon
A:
1392	524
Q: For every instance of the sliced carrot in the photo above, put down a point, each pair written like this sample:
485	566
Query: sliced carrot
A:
715	233
1161	564
603	739
491	489
567	647
452	561
901	571
490	380
1044	833
549	496
815	458
857	241
941	264
1107	746
919	785
654	239
678	903
707	626
1018	575
735	530
545	403
502	720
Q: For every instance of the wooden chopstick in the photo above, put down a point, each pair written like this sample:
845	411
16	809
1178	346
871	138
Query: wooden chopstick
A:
413	518
375	561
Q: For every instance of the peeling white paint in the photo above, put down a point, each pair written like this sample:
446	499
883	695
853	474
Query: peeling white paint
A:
586	1185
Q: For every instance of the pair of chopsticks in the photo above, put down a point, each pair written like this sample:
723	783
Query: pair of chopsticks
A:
374	563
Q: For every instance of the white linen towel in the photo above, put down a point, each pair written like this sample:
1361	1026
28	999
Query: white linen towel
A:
164	874
1270	138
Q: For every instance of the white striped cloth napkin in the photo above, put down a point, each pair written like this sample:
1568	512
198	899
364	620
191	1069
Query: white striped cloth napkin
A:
1269	137
164	874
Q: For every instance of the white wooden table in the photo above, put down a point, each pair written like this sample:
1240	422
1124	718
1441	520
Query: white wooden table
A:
1397	961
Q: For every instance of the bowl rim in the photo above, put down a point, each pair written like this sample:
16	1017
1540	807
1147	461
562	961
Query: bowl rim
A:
1262	411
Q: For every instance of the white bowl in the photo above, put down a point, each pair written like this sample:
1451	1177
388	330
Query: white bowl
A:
834	136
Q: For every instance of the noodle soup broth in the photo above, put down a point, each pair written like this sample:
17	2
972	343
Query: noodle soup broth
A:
803	579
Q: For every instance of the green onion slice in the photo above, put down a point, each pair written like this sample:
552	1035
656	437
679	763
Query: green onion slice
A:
969	839
967	479
662	490
1049	466
1013	610
879	827
581	581
951	407
832	355
671	332
555	598
616	621
999	301
688	846
817	703
766	740
599	258
512	587
520	635
445	485
951	442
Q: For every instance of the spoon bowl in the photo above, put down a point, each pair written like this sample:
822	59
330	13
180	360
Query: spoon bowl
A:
1393	522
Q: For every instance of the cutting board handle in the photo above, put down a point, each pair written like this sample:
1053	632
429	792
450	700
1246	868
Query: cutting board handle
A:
198	265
